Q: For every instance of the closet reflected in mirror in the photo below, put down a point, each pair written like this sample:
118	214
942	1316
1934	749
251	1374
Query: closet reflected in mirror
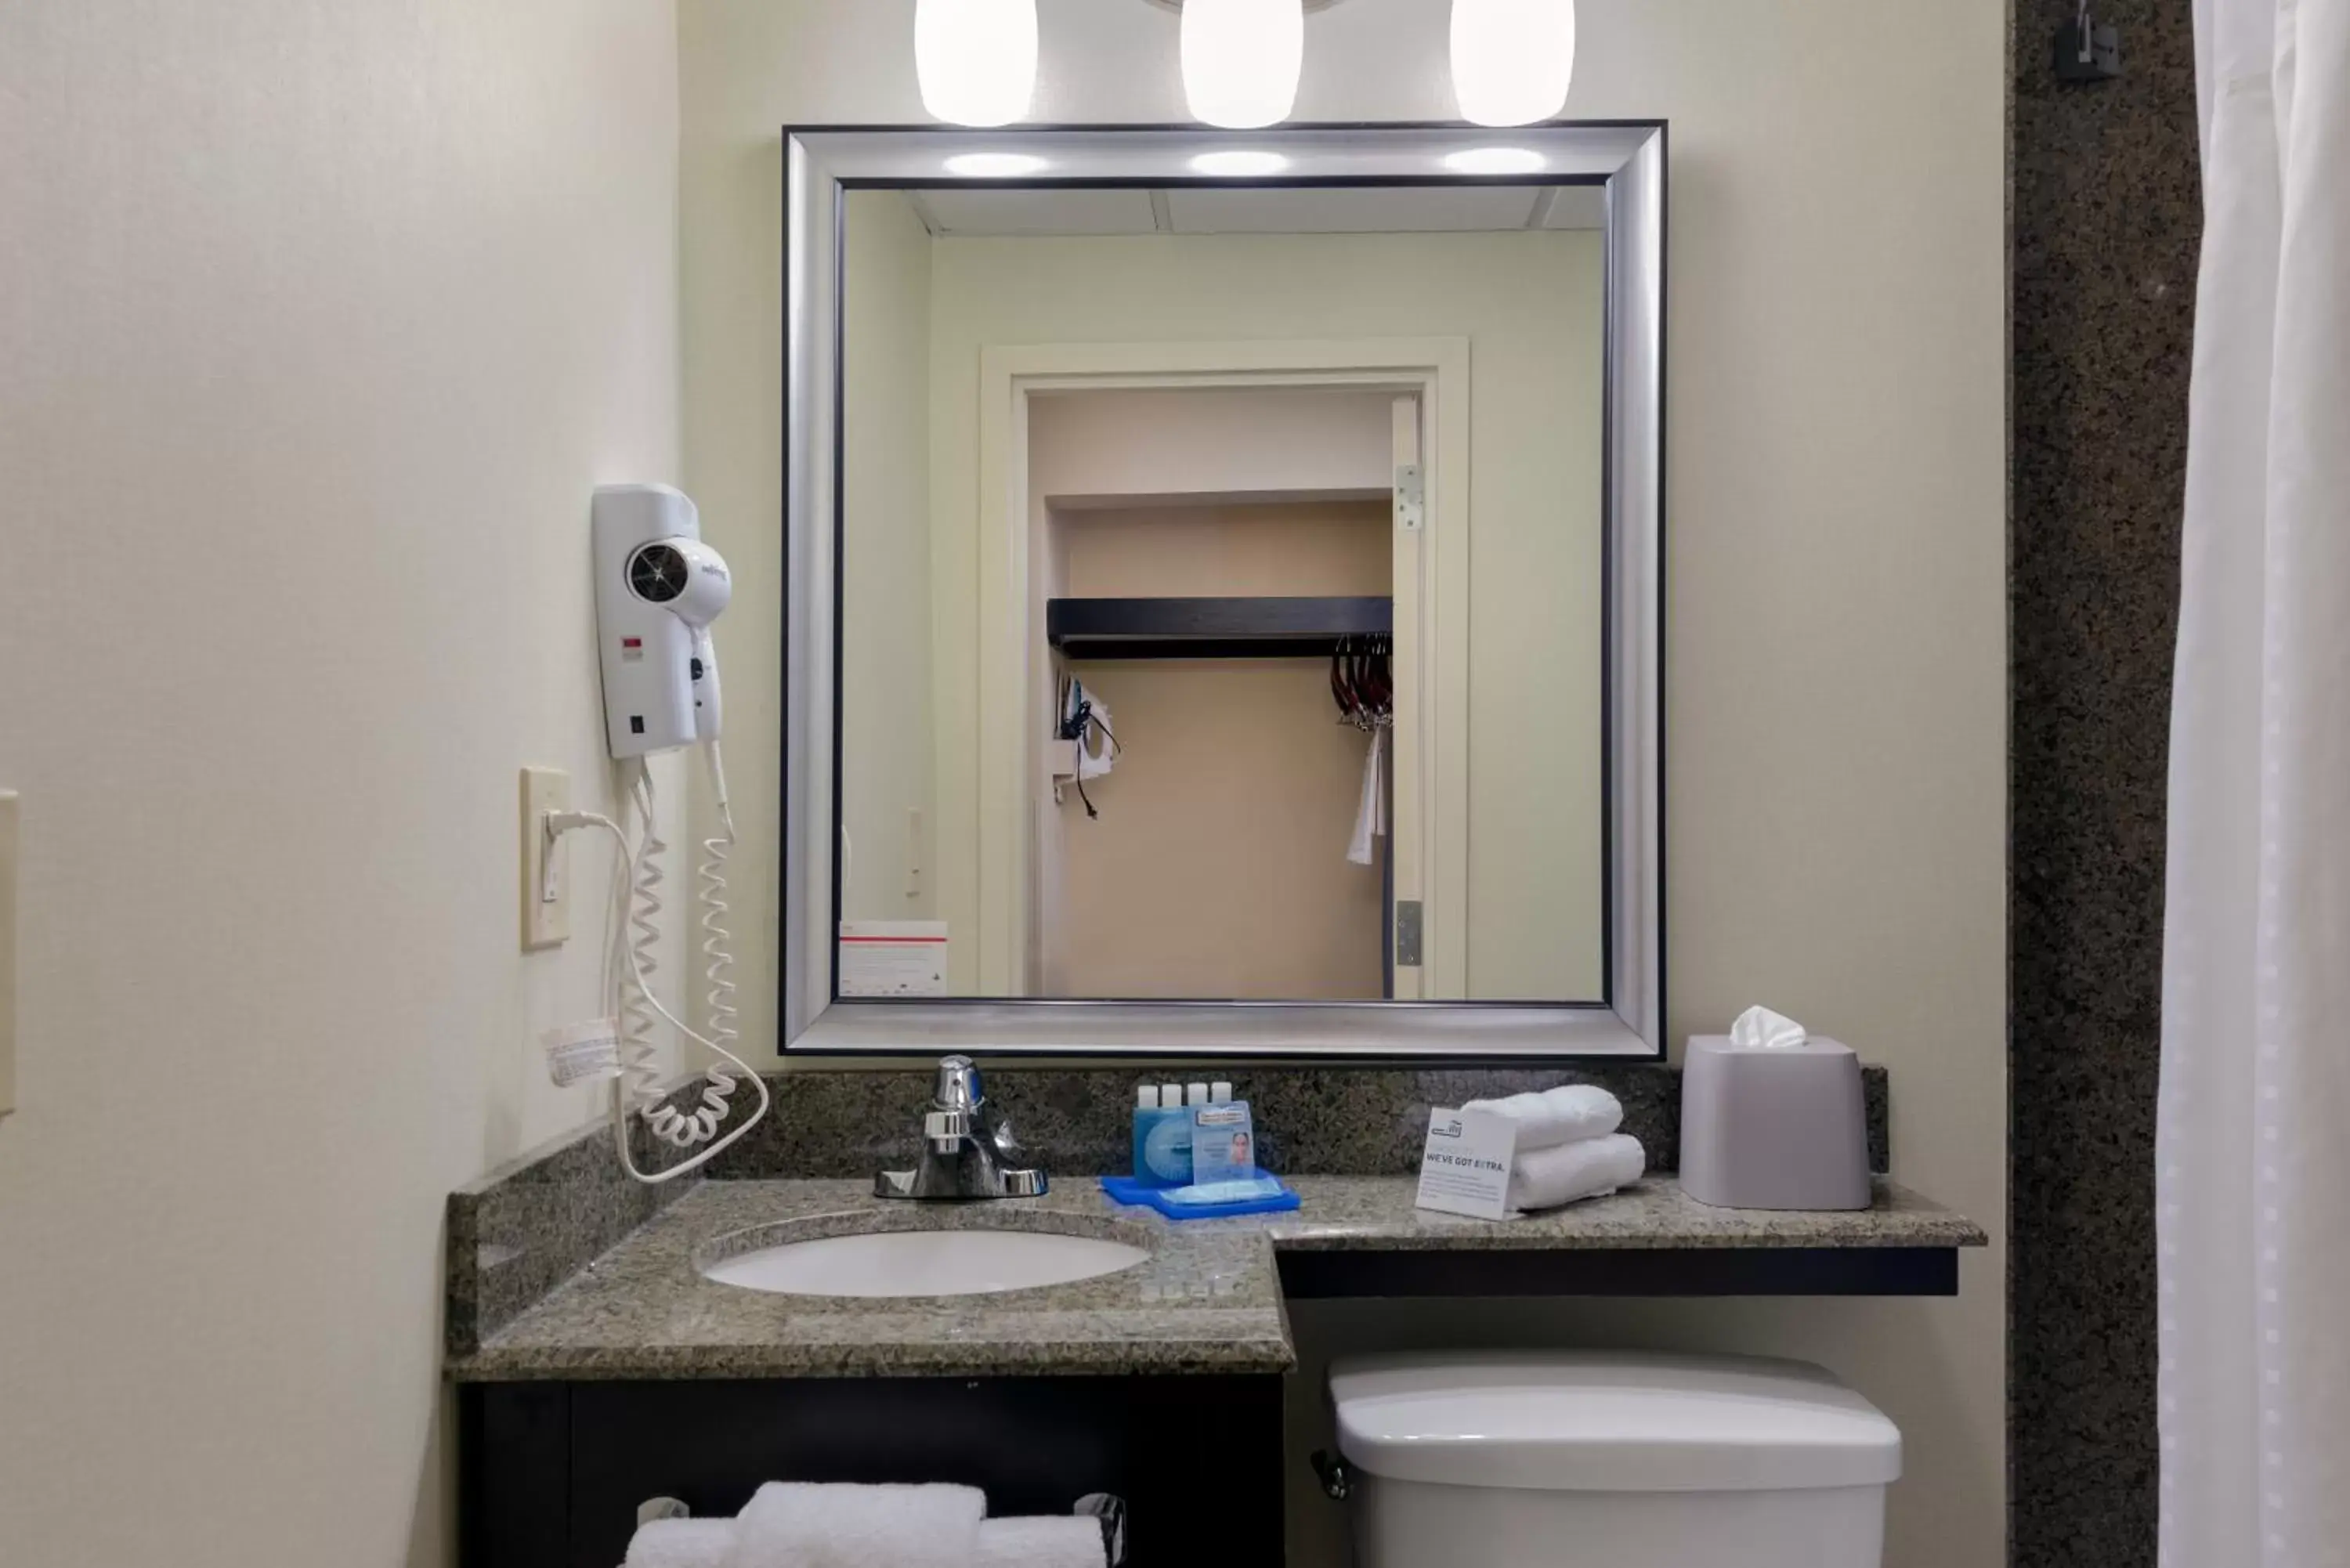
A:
1220	592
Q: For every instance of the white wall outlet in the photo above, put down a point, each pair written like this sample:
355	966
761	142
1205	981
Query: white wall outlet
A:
546	861
7	950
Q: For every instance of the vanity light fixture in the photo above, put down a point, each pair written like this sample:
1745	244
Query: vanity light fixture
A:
1495	160
1512	59
994	165
1241	60
976	59
1239	162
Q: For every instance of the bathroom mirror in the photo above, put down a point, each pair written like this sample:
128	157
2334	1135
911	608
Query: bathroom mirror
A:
1223	608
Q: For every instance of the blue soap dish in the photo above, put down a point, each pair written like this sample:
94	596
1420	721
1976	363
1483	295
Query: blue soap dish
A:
1128	1190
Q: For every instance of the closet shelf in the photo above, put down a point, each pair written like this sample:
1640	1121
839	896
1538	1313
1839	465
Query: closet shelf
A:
1212	627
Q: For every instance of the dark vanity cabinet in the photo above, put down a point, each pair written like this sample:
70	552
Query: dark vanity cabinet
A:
553	1473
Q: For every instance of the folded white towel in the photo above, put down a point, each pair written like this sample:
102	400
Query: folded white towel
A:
797	1525
1060	1541
1585	1169
1567	1114
681	1544
1371	811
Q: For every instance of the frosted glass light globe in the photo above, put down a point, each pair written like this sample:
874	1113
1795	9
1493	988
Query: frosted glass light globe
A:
1241	60
976	59
1512	59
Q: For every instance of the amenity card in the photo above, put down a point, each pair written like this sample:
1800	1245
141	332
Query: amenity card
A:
893	958
1465	1169
1222	1148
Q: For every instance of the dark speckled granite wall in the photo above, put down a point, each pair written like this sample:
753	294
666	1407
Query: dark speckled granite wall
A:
1349	1121
2106	222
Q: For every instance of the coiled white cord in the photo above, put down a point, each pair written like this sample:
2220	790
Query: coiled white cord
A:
638	1089
717	943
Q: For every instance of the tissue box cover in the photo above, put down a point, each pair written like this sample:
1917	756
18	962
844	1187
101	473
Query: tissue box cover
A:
1786	1128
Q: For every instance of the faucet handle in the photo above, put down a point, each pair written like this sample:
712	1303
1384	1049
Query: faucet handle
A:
956	1087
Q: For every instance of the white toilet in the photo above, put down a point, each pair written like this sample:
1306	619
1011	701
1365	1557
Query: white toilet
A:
1605	1459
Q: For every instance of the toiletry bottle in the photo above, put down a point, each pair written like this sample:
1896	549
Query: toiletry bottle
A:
1146	1116
1220	1093
1173	1168
1164	1156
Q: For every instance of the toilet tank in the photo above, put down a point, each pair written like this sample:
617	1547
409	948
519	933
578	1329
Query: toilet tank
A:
1519	1459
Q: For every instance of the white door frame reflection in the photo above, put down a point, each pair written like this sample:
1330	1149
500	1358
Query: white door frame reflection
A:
1429	824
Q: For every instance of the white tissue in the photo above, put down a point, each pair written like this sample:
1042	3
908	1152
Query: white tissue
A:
1760	1028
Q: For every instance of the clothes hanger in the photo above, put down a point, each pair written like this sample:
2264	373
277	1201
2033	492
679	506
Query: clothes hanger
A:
1342	689
1379	680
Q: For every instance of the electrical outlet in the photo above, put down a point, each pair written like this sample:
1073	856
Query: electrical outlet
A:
913	852
546	861
7	950
2088	52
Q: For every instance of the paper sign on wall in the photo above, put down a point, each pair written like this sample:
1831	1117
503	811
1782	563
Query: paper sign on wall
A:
893	958
1464	1167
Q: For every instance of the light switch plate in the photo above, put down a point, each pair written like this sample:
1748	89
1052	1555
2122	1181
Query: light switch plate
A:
546	862
7	950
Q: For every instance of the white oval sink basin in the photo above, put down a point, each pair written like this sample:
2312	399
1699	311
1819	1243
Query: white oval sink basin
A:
923	1263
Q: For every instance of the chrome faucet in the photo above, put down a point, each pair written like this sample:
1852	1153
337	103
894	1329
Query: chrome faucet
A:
968	1150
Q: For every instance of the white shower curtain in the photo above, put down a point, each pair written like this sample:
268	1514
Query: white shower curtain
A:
2252	1180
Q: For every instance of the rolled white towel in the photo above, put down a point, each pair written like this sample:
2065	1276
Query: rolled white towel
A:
681	1544
1059	1540
792	1524
1586	1169
1568	1114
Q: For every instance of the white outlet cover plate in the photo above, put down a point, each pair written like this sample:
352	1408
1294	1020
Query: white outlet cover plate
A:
545	923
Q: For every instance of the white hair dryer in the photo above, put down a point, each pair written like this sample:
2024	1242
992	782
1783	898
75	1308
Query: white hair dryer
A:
658	589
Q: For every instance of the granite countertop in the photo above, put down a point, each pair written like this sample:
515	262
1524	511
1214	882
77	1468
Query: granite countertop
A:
1208	1301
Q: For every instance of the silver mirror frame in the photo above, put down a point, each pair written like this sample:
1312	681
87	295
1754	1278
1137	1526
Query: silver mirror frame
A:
1628	159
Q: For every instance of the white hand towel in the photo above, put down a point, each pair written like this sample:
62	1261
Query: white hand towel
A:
1585	1169
681	1544
1059	1542
1371	812
1567	1114
795	1525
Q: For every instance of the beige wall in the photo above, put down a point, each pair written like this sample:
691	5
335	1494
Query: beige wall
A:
1226	445
1218	867
1835	714
1337	549
319	324
885	769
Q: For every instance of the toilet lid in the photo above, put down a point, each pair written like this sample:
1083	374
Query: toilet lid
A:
1610	1421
